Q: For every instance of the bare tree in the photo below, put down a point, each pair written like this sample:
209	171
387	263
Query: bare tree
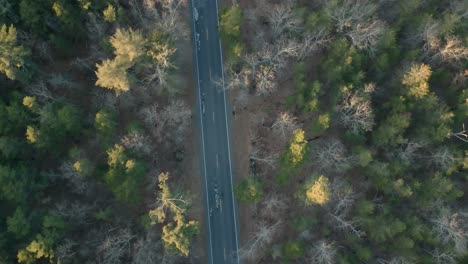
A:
409	151
41	91
322	253
342	202
350	225
395	260
103	99
367	35
451	51
313	41
343	198
265	80
262	237
284	125
155	77
64	251
115	246
462	135
170	121
282	18
138	143
259	154
460	80
7	10
170	20
273	206
356	112
440	257
60	81
78	182
443	158
452	228
236	79
148	251
332	156
347	13
149	115
75	211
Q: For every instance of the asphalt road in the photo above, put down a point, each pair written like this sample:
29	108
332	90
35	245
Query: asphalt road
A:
214	116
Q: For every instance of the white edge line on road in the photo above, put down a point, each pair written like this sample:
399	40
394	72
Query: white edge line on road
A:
228	138
203	137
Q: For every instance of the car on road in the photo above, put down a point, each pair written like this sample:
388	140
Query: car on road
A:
203	106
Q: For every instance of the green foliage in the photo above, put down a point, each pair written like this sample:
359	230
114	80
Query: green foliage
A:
293	157
249	190
69	14
230	31
364	155
84	167
177	238
381	228
306	97
41	248
106	123
434	120
293	250
13	116
318	20
15	182
390	130
18	224
104	214
342	66
12	55
125	176
436	188
321	123
58	123
34	15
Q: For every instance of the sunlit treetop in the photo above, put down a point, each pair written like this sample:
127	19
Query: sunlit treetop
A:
416	80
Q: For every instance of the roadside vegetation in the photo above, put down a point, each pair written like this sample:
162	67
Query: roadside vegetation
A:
95	126
357	113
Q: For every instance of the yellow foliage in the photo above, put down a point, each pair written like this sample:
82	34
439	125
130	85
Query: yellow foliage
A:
109	13
35	250
297	146
416	80
130	164
116	156
32	134
30	102
318	193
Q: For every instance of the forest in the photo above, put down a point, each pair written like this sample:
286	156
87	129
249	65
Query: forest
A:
95	120
353	114
349	132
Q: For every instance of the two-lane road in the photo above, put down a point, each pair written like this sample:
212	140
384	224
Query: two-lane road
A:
213	115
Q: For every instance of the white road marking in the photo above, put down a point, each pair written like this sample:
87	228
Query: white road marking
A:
203	145
214	117
228	138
